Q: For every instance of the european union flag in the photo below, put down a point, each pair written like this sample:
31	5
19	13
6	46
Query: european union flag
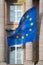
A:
26	31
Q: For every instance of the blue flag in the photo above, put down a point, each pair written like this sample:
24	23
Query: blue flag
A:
26	31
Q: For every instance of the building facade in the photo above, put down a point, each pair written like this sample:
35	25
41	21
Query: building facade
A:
10	14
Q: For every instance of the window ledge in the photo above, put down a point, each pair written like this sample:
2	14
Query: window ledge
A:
10	29
12	23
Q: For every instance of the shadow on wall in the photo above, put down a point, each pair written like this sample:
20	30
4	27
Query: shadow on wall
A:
40	18
36	43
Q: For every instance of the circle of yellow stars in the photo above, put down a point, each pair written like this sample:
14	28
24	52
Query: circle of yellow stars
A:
31	24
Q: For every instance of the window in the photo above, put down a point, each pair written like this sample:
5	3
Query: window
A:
16	55
16	12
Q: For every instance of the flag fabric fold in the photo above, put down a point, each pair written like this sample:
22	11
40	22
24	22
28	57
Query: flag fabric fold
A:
26	31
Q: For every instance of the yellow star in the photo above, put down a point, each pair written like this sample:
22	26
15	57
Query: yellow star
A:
26	34
30	19
22	18
22	37
27	16
17	36
31	23
30	29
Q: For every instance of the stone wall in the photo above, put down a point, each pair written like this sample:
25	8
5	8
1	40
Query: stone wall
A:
2	30
41	33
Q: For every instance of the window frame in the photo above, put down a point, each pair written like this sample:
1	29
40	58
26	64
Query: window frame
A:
15	24
23	9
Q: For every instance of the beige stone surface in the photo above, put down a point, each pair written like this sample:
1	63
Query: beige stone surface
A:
28	4
28	45
41	31
40	63
1	30
29	51
2	63
28	62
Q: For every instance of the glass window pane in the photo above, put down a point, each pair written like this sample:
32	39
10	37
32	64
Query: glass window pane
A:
19	49
12	19
15	13
15	7
12	7
12	13
19	14
19	62
19	55
18	19
19	7
12	55
12	48
15	55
